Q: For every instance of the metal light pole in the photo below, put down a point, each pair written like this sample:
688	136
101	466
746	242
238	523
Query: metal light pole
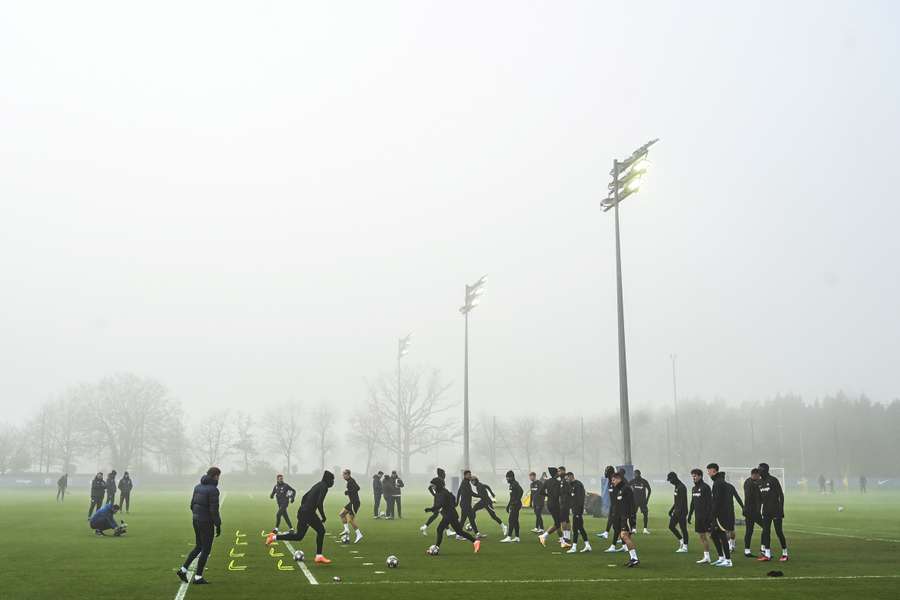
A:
675	404
473	293
626	181
402	350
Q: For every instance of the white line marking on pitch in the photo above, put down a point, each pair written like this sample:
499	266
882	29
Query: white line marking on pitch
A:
622	580
843	535
183	588
303	567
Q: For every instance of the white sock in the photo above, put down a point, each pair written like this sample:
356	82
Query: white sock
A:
746	551
784	551
633	553
706	555
768	553
346	527
198	577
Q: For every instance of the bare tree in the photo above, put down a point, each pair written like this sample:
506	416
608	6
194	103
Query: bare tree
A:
13	449
244	443
69	433
563	439
174	448
487	441
364	433
322	422
525	436
39	431
213	439
283	424
419	411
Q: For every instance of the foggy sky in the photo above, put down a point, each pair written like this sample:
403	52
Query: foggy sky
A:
252	201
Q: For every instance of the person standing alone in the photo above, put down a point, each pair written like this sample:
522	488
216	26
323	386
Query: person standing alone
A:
377	489
207	524
61	484
284	495
125	487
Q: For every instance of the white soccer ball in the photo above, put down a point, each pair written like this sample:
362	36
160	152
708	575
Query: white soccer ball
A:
392	562
299	556
345	538
433	550
840	509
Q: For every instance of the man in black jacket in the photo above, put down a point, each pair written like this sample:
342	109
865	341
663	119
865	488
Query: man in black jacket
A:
513	507
311	503
432	490
125	487
111	487
445	505
771	508
642	491
576	503
377	489
551	492
284	494
351	509
206	519
678	512
537	501
98	491
397	484
701	511
387	488
61	484
464	496
751	510
621	509
486	502
722	514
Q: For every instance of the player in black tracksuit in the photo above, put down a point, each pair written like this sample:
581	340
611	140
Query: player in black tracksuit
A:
431	490
377	489
311	503
701	511
98	491
751	509
721	515
565	507
577	496
445	505
464	496
551	493
513	507
771	509
351	509
536	488
284	495
678	512
111	487
206	520
621	509
125	487
642	491
608	472
486	502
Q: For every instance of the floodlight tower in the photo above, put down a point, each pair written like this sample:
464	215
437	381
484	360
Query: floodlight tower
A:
473	294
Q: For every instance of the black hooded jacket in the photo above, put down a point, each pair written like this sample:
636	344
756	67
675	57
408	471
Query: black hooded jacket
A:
680	503
515	494
771	497
576	496
485	493
125	484
621	501
283	494
722	500
205	501
444	502
314	498
440	475
98	488
464	494
352	491
751	498
377	486
537	493
642	491
111	484
701	503
551	488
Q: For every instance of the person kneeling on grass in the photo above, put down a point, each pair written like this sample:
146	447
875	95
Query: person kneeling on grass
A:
103	520
313	500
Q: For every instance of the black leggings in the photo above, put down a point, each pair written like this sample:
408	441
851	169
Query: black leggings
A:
513	530
644	511
539	517
305	520
676	522
451	521
125	501
468	513
96	504
377	504
578	526
484	504
749	522
282	514
767	523
204	534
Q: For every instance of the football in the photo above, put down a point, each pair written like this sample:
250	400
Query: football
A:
433	550
392	562
345	538
298	555
840	509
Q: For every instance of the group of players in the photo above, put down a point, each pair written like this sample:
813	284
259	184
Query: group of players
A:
561	495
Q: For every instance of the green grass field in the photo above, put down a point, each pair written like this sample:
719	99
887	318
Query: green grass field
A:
48	551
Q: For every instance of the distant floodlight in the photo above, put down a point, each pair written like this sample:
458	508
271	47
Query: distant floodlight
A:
634	185
641	166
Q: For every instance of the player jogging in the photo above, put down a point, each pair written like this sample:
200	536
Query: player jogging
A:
434	515
700	511
284	494
445	504
513	507
311	502
678	513
621	508
464	499
206	520
348	513
486	502
771	505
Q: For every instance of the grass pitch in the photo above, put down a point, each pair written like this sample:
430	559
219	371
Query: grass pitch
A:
48	551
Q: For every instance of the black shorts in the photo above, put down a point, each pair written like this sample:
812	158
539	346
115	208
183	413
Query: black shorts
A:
623	524
554	512
724	524
564	514
701	525
352	508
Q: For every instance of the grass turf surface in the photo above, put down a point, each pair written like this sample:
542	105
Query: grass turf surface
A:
50	552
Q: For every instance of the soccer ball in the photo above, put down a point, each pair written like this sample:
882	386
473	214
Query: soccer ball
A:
840	509
298	555
345	538
392	562
336	579
433	550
